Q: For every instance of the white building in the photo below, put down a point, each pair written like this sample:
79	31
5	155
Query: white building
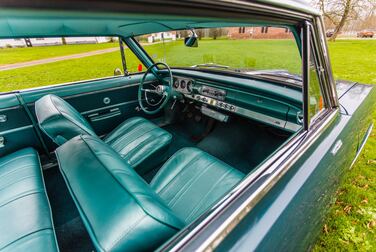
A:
51	41
158	36
12	43
86	40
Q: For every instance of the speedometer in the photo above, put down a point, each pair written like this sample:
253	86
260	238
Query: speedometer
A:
182	84
189	86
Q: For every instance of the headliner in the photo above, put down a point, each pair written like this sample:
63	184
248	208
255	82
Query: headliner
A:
34	22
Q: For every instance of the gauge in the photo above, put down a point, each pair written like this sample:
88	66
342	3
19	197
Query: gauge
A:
189	86
182	84
176	83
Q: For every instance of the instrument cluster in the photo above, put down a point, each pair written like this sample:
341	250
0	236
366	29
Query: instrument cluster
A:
183	85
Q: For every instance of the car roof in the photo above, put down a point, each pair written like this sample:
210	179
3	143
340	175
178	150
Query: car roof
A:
35	21
296	5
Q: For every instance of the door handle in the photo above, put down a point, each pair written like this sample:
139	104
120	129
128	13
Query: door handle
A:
103	116
2	142
3	118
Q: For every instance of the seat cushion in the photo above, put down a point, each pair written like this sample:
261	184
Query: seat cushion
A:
192	180
140	142
118	208
25	215
59	120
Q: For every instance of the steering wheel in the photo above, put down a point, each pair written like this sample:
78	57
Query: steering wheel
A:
163	91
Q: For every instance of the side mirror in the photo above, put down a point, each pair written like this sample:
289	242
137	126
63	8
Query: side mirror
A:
117	72
192	40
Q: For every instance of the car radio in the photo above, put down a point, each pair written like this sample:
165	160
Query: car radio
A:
213	92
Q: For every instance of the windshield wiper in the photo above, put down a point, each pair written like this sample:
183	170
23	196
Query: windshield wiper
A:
211	65
276	73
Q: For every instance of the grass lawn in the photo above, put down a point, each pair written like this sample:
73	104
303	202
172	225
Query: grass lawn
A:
351	223
15	55
254	54
97	66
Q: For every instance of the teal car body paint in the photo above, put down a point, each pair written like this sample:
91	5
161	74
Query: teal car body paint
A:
278	140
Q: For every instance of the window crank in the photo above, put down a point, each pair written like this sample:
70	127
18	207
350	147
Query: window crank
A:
2	142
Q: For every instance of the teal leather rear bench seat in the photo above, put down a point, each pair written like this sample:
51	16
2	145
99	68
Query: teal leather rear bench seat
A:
139	141
121	211
25	215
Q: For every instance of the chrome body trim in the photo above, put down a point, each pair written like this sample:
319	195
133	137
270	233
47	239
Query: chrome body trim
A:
5	132
84	113
369	131
306	72
292	126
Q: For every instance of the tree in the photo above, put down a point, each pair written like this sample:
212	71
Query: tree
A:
339	12
216	32
200	33
213	33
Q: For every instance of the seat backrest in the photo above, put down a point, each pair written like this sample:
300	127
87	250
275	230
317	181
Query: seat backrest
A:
59	120
119	209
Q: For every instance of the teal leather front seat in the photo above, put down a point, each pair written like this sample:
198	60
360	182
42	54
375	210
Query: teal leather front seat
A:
139	141
25	215
121	211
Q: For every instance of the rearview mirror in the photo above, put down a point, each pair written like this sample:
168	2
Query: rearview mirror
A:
192	40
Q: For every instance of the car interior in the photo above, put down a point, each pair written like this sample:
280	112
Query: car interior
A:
171	144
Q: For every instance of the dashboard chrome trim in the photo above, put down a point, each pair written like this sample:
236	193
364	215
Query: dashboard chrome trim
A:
279	123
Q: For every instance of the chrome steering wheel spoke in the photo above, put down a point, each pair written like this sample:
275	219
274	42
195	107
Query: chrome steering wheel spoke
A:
161	90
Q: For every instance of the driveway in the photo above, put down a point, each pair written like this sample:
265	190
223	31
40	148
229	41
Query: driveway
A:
55	59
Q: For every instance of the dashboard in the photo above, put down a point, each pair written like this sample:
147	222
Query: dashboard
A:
220	102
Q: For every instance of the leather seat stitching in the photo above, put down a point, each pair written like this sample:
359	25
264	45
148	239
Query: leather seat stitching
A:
25	167
143	144
120	131
126	135
126	131
135	119
15	158
158	175
151	147
139	144
28	193
131	228
193	160
24	236
199	204
188	184
15	182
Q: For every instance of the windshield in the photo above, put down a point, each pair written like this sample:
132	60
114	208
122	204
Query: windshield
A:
236	49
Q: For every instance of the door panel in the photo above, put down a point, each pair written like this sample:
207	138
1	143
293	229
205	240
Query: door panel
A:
107	109
16	128
105	103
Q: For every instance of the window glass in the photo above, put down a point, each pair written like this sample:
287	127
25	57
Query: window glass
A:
240	49
316	102
134	65
35	62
